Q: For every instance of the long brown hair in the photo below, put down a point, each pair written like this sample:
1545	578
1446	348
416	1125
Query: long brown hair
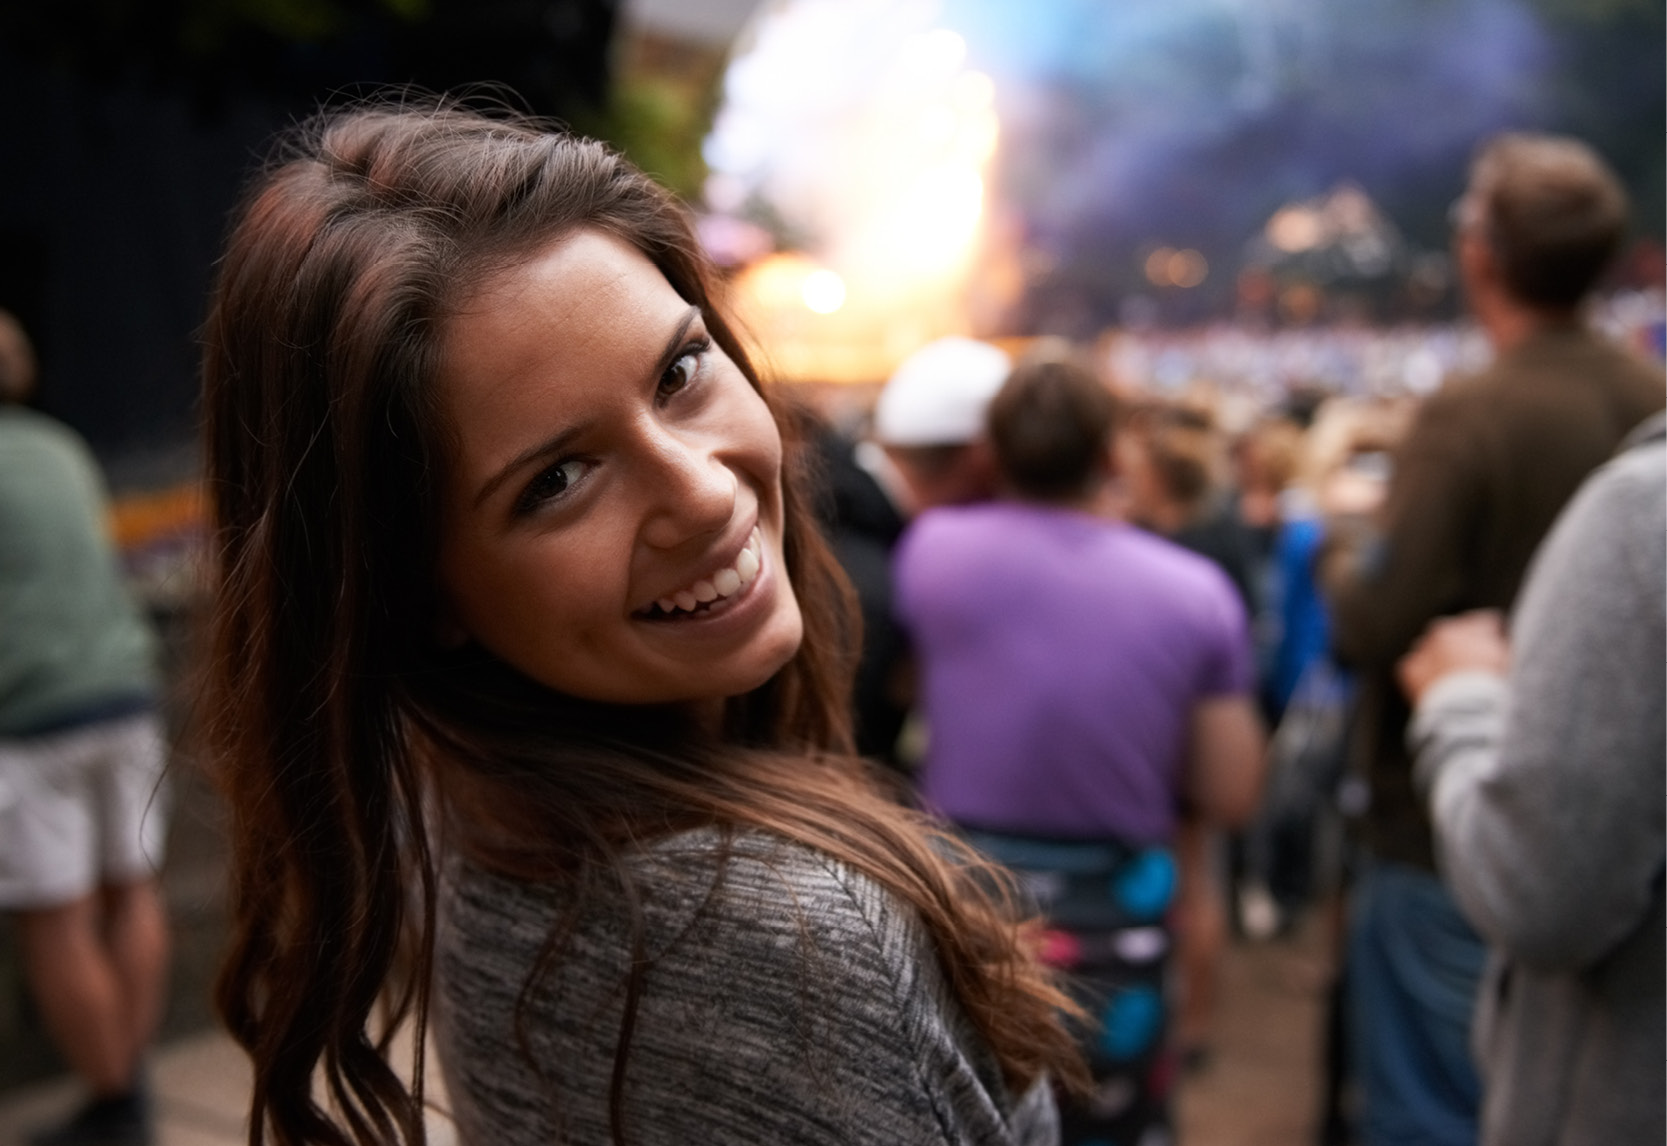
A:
341	732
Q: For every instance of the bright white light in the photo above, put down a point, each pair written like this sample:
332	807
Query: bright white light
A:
937	125
938	214
824	291
935	56
860	125
973	91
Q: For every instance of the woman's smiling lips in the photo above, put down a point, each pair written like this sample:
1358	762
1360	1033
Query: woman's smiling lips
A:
716	589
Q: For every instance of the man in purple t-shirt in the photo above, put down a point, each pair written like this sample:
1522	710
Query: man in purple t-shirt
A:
1081	681
1065	658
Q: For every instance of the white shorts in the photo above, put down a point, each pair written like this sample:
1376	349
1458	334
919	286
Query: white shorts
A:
81	808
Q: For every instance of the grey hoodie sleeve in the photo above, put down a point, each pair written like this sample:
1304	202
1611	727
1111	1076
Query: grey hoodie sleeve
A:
1548	798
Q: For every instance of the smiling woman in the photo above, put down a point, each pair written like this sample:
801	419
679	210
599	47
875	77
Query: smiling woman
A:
527	688
642	467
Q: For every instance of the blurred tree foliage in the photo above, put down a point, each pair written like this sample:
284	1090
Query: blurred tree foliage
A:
660	108
659	124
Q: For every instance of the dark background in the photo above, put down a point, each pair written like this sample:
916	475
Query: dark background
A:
127	128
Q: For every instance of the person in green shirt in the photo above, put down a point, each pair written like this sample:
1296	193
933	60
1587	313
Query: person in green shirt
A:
82	755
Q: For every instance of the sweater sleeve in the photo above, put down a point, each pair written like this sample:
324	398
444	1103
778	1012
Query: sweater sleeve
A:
797	1002
1548	801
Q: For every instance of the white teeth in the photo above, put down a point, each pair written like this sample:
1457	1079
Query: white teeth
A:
723	583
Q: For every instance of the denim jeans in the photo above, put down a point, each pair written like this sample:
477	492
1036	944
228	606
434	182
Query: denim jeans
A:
1415	966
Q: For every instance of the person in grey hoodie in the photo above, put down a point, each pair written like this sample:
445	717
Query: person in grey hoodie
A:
1546	789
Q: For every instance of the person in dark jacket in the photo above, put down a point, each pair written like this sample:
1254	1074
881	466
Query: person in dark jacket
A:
1486	467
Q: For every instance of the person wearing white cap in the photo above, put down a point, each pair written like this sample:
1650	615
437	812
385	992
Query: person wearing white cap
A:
929	421
926	449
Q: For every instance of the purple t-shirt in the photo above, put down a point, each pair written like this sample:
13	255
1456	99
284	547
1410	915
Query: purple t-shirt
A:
1061	656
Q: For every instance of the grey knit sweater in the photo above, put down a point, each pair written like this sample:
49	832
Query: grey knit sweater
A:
797	1003
1547	799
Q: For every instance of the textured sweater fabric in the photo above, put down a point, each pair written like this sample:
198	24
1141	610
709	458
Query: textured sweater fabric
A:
1483	472
72	641
1547	796
788	999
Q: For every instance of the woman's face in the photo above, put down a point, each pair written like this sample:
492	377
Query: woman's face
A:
611	523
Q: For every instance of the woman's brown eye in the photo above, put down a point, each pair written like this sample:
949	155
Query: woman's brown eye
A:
682	371
550	484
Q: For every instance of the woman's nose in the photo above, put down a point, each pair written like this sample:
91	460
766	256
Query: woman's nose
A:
692	492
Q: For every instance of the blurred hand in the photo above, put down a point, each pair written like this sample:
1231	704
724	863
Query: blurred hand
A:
1347	493
1470	642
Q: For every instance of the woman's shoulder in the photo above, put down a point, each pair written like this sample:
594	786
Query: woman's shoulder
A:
741	898
742	926
762	873
689	885
790	990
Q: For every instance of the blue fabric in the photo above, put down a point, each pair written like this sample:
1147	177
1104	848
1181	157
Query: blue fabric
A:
1146	886
1414	969
1308	699
1304	627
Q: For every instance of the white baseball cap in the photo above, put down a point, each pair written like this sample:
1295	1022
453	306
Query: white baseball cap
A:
938	395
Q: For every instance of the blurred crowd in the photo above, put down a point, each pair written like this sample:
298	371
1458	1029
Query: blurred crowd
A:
1200	634
1253	369
1110	589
